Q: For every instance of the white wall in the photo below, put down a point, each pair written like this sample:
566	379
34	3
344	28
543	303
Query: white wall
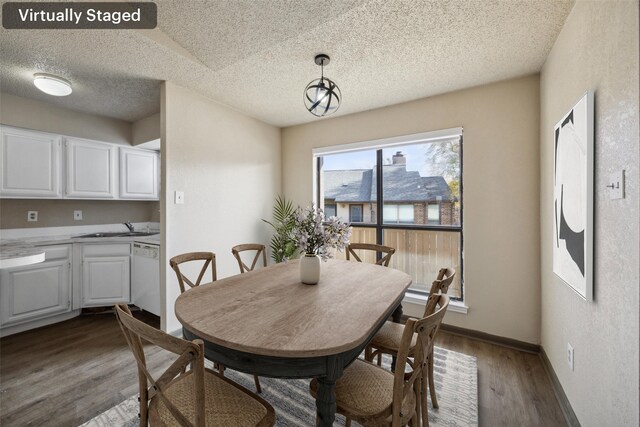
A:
596	50
146	129
229	167
37	115
501	195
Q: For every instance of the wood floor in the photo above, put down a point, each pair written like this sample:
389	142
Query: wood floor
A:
67	373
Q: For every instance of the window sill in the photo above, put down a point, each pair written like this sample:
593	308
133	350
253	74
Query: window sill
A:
455	306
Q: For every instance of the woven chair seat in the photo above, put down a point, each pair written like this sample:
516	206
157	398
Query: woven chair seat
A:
225	404
389	336
365	390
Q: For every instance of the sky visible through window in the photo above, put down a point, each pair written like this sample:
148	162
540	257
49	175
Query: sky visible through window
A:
415	154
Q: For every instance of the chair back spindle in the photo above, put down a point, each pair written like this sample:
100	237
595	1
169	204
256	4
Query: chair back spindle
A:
209	259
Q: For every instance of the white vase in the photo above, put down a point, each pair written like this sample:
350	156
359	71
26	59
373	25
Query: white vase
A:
310	269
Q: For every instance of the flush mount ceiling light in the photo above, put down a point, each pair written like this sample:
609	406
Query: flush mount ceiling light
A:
322	96
52	85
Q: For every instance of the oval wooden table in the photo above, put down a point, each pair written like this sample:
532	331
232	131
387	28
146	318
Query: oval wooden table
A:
267	323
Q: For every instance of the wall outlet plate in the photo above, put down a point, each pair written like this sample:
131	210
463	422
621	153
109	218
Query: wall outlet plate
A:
570	356
179	197
77	215
32	216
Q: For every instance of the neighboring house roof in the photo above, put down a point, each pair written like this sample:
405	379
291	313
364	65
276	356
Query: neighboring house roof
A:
400	185
352	185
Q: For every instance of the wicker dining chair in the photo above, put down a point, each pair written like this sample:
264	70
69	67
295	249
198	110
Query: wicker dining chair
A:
196	397
387	340
259	250
373	396
209	259
388	251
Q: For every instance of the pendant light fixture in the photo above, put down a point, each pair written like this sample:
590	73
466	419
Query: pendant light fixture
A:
322	96
52	85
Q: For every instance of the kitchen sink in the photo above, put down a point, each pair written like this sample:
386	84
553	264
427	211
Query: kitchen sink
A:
138	233
120	234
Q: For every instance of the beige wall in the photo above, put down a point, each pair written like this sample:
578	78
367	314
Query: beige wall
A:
597	50
501	138
38	115
228	166
59	213
146	129
31	114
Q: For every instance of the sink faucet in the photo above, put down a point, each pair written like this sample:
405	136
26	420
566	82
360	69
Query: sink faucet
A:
129	226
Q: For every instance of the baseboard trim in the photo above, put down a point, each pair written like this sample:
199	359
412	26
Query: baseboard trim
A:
493	339
565	406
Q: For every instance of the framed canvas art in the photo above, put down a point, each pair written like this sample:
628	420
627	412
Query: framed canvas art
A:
573	198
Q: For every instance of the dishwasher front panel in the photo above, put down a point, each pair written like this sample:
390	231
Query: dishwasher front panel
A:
145	280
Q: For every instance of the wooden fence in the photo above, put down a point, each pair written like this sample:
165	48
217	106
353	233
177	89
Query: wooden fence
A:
419	253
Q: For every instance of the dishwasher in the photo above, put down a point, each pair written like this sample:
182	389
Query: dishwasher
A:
145	281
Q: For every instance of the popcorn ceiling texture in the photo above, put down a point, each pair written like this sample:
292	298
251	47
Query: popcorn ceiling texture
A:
258	57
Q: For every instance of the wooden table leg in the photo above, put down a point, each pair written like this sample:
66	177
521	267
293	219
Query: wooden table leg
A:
326	402
326	395
397	318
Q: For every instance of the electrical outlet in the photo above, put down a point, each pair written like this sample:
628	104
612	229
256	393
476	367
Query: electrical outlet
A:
77	215
32	216
570	356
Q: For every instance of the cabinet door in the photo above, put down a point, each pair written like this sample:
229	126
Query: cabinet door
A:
138	174
33	292
29	164
105	280
91	169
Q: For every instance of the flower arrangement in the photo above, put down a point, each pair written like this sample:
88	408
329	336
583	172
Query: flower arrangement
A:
315	235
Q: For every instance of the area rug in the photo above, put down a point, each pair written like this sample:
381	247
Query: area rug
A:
455	375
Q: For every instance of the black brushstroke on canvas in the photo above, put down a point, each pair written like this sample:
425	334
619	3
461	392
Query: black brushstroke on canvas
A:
573	240
568	119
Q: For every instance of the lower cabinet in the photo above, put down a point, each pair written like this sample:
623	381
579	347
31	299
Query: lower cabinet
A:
105	274
37	291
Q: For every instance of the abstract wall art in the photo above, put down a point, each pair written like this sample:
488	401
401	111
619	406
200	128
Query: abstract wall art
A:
573	198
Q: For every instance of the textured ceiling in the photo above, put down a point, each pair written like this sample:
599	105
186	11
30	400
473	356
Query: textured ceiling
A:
257	55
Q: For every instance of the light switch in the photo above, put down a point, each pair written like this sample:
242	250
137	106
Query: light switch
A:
77	215
616	185
179	197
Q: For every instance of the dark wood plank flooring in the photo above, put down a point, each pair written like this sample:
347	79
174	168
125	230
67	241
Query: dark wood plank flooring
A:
67	373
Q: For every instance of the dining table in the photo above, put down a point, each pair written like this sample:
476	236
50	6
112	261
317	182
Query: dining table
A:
267	323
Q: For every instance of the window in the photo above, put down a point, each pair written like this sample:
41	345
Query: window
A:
398	214
330	210
433	214
355	213
403	192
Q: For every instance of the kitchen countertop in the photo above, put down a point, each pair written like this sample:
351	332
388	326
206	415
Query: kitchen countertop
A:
9	246
15	256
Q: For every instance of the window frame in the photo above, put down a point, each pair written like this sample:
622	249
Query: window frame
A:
356	205
335	208
379	225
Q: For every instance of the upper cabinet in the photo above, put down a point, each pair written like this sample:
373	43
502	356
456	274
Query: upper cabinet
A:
35	165
29	164
91	169
138	174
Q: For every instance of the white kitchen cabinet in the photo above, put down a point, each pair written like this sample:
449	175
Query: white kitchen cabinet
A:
138	174
91	169
36	291
29	164
105	273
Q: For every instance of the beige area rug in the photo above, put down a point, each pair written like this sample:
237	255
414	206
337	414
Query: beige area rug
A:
455	374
